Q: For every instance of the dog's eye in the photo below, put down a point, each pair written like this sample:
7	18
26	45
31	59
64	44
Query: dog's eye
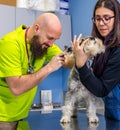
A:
92	38
69	49
81	41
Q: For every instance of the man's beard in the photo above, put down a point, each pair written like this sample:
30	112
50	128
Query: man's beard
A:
36	47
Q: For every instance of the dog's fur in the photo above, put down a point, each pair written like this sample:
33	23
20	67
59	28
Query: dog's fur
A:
76	91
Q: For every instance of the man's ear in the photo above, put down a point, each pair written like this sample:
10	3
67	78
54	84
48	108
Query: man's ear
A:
37	27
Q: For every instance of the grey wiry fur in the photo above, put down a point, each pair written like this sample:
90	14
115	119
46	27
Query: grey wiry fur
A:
77	92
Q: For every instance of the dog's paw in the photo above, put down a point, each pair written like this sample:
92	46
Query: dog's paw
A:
93	123
93	126
66	126
65	119
93	119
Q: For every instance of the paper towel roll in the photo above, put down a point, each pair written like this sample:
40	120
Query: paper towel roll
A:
22	3
43	5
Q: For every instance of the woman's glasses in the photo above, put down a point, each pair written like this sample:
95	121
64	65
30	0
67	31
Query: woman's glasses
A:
105	19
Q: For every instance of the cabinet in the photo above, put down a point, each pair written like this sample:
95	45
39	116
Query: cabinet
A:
8	2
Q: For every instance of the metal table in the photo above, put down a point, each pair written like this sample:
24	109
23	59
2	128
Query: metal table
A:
51	121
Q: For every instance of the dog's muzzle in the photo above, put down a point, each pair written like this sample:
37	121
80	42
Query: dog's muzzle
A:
89	37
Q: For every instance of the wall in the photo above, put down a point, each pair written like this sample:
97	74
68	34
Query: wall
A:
81	14
57	82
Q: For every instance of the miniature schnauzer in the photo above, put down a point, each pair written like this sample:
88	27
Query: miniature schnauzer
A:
76	90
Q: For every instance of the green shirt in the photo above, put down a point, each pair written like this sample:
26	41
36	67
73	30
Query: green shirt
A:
14	62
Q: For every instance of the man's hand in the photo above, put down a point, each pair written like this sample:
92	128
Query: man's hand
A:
56	62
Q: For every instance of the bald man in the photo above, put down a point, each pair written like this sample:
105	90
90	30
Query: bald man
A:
22	55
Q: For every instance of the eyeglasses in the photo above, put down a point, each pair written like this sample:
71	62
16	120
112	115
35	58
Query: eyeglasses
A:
105	19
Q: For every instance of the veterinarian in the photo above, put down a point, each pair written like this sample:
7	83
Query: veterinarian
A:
22	55
104	81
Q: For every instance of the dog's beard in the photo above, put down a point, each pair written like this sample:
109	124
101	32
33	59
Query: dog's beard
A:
36	47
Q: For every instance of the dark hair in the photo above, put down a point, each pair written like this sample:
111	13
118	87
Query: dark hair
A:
113	5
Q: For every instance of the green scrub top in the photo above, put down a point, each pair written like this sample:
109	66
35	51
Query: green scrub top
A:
14	62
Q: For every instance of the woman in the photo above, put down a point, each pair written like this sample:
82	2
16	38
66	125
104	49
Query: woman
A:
105	79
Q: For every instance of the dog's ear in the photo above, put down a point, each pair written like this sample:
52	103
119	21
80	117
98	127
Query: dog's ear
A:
67	49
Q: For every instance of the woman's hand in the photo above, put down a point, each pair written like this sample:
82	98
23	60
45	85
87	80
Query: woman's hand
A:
78	50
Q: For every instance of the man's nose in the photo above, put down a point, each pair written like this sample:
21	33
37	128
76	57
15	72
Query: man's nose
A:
50	43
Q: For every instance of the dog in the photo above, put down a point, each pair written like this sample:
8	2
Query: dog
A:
76	90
